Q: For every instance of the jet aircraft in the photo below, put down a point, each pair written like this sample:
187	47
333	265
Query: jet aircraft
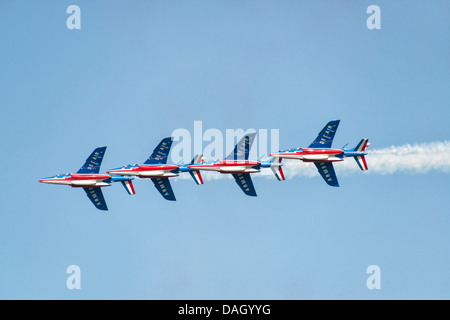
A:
323	155
238	165
89	178
157	169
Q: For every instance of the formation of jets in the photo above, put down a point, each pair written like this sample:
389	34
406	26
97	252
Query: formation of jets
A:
237	163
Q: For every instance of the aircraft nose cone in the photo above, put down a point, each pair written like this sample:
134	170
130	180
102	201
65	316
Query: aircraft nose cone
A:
114	170
45	180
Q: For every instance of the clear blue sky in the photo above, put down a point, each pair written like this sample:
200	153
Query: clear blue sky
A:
135	72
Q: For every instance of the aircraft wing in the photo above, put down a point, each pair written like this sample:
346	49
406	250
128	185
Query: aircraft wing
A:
326	136
92	164
164	187
245	182
242	149
326	170
96	196
161	152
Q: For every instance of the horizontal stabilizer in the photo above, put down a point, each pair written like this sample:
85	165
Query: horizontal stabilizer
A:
278	170
197	176
128	184
362	164
361	160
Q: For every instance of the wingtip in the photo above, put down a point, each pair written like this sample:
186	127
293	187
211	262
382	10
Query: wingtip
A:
336	184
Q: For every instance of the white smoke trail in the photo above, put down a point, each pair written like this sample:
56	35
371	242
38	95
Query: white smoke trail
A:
410	159
417	158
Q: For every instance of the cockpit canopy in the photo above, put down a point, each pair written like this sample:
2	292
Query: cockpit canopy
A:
129	166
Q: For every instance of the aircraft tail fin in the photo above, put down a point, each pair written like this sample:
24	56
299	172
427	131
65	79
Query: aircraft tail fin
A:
197	159
362	145
361	160
196	175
